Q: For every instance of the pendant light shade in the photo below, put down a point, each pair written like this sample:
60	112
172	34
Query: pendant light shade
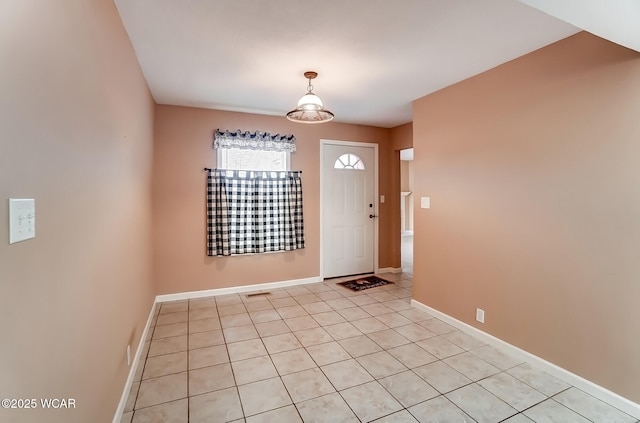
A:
310	108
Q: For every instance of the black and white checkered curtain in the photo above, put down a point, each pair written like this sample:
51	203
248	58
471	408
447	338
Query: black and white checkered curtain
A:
253	212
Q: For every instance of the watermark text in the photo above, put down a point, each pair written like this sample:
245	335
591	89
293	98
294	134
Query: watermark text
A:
26	403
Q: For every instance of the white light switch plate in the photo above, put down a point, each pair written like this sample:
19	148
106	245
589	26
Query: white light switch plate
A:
425	202
22	219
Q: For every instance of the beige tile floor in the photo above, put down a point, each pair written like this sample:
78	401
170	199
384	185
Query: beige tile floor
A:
321	353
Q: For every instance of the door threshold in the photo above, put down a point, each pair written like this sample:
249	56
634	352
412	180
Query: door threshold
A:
349	276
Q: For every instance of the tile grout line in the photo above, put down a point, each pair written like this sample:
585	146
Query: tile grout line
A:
317	366
407	369
378	301
575	411
233	373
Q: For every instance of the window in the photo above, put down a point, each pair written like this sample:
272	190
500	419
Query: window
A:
237	159
254	202
349	161
237	150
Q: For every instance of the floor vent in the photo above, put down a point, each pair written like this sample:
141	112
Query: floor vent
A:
258	294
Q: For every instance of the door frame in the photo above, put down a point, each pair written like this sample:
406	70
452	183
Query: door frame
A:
376	197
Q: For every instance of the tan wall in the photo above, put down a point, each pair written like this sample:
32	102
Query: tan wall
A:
402	136
183	147
76	135
532	169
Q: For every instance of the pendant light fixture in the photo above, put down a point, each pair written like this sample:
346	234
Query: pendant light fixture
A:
310	108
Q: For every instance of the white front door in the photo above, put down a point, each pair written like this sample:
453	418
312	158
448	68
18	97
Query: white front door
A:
349	209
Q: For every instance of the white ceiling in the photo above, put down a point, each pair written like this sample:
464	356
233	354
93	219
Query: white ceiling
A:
614	20
374	57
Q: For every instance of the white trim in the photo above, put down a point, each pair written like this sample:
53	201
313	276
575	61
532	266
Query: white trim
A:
134	366
376	196
579	382
235	289
389	270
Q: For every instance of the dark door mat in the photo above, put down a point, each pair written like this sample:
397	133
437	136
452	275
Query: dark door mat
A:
364	282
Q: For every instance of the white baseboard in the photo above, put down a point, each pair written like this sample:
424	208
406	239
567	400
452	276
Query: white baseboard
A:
134	367
235	289
579	382
389	270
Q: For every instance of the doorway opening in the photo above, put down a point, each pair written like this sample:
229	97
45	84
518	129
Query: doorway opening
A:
406	209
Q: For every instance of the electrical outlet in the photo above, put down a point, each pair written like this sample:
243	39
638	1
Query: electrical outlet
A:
129	355
480	315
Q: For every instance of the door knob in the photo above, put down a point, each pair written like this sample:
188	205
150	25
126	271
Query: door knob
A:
371	216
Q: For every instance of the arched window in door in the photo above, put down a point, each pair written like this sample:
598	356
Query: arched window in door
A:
349	161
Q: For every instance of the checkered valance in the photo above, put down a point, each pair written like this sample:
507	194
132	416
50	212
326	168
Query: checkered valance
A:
246	140
253	212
